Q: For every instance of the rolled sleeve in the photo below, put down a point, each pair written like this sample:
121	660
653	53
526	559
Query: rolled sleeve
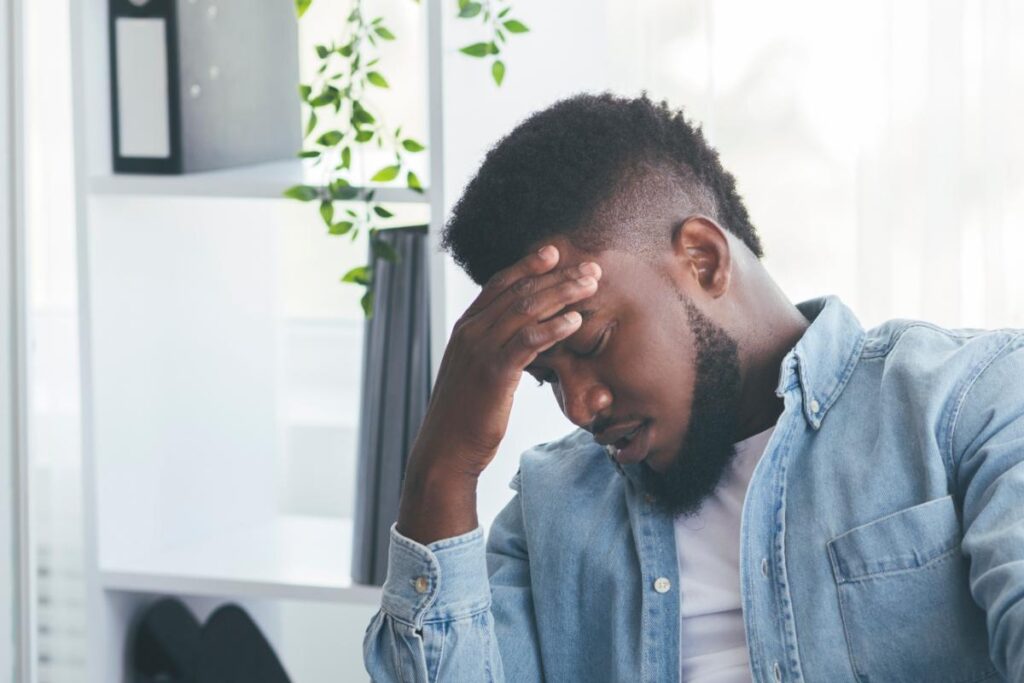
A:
442	581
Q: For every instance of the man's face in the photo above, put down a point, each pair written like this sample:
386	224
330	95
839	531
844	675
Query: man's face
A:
646	356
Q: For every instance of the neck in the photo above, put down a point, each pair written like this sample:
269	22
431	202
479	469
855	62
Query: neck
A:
778	329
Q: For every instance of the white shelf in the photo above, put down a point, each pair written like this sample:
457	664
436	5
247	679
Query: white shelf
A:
259	181
293	557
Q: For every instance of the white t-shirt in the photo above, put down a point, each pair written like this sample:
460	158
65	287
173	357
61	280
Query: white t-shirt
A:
712	641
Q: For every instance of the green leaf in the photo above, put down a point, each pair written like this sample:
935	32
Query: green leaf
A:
301	6
322	51
345	50
343	192
384	33
363	116
304	91
330	138
326	97
413	182
359	275
311	124
367	303
516	26
382	249
502	13
377	79
382	212
470	10
385	174
304	193
476	50
462	4
370	195
412	146
364	136
340	228
493	47
309	154
327	212
498	71
346	157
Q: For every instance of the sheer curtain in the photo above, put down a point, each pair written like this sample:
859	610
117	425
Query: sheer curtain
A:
877	143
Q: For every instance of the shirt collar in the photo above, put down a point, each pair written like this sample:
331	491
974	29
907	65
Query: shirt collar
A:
819	365
824	358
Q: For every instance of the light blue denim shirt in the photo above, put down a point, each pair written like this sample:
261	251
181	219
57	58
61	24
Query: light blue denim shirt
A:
882	536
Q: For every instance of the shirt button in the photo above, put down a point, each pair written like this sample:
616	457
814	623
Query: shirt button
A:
662	585
815	406
777	671
764	566
421	584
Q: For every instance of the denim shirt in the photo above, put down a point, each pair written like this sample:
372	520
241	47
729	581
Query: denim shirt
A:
882	536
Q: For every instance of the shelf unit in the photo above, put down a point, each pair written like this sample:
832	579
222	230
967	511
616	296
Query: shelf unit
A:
259	181
189	393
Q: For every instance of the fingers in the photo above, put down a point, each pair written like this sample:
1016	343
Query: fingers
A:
538	302
530	340
534	264
540	296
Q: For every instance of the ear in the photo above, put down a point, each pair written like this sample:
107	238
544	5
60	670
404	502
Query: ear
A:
701	247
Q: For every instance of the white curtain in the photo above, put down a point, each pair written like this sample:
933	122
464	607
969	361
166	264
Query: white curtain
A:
877	143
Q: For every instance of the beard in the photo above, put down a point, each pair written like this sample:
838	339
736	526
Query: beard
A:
707	449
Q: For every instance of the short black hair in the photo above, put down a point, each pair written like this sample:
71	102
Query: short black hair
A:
561	167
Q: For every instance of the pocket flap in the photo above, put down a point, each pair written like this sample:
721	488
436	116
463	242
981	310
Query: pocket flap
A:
906	539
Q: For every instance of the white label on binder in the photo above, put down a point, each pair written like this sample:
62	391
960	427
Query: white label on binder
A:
144	127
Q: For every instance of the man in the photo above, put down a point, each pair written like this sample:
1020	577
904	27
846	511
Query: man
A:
756	491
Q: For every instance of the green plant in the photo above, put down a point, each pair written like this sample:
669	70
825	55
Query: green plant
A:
340	117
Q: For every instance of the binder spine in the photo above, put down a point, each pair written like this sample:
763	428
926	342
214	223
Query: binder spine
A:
144	87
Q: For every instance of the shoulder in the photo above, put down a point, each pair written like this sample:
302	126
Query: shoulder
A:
572	462
918	353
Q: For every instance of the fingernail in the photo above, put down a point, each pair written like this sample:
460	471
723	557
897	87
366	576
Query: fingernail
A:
590	268
585	281
573	317
546	252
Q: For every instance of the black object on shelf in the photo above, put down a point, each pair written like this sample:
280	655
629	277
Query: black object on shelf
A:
202	86
395	393
165	644
168	645
233	650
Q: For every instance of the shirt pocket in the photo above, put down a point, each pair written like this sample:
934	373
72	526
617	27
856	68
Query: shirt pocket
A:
905	600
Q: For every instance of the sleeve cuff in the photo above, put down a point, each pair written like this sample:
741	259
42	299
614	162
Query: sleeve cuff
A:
442	581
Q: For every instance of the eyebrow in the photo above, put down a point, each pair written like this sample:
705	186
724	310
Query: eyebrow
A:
586	314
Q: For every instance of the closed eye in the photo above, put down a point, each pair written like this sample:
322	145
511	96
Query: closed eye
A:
549	377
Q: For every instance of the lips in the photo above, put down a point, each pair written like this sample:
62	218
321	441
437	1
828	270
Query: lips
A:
613	435
632	444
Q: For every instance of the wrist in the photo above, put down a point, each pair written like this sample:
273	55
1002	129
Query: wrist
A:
437	502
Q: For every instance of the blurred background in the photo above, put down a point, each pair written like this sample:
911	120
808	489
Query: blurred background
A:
182	369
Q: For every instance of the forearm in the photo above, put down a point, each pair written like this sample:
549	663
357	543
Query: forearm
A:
438	501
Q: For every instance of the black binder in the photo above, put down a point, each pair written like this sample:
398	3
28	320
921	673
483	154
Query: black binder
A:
144	106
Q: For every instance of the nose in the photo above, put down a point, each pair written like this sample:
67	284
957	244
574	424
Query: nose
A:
582	402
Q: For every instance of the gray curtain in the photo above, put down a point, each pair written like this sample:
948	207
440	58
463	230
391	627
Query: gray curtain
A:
396	388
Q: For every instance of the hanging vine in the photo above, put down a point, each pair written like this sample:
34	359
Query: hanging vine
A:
339	117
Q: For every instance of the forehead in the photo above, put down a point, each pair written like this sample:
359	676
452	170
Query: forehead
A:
621	283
